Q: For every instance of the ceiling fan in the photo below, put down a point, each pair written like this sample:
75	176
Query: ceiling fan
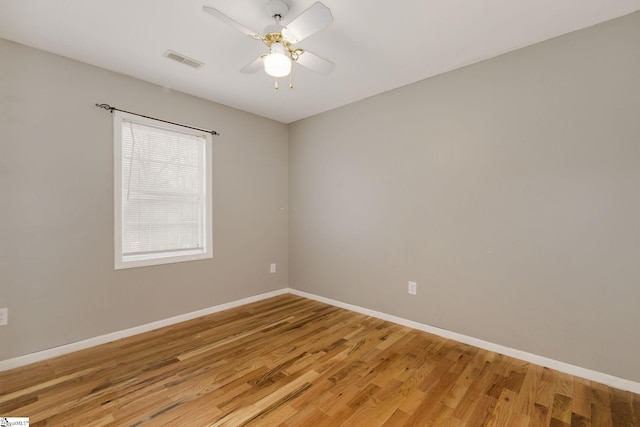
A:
281	39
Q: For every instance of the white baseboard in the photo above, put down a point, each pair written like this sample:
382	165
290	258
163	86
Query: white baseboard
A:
103	339
567	368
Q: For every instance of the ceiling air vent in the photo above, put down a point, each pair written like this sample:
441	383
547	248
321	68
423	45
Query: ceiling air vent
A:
183	59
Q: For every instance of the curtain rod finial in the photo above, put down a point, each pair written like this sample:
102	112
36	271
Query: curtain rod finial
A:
106	107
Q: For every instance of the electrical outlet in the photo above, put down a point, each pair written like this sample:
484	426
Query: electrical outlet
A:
273	268
412	288
4	316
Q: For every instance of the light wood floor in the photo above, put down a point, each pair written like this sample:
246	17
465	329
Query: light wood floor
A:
289	361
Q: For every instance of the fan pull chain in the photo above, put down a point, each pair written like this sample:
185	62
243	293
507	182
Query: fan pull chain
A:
291	78
276	86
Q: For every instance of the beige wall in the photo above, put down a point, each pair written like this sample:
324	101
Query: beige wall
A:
56	209
509	190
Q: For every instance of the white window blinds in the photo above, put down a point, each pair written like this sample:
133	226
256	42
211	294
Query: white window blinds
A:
163	191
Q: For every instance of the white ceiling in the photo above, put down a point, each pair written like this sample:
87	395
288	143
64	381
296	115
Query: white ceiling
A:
377	45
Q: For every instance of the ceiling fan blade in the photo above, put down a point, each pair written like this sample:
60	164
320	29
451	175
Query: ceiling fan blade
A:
224	18
312	20
256	65
315	63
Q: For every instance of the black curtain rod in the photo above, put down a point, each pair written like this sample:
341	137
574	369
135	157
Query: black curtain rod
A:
111	109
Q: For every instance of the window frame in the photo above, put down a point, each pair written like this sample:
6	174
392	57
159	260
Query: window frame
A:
167	257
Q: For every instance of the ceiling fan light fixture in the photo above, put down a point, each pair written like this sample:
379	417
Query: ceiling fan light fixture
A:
277	63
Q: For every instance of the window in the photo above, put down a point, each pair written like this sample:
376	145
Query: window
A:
162	192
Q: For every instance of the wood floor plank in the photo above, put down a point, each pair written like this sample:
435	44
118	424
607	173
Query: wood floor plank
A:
582	399
541	416
503	410
545	392
397	419
621	407
636	409
561	408
526	396
482	411
289	361
600	406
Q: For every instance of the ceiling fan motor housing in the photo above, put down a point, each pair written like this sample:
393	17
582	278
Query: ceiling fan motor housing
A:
272	30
